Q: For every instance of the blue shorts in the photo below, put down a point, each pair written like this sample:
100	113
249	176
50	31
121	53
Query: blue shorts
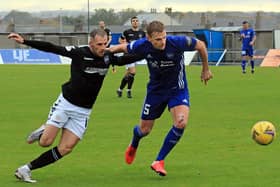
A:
155	104
248	51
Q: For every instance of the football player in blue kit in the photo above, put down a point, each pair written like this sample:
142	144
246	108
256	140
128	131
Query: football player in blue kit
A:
167	86
248	38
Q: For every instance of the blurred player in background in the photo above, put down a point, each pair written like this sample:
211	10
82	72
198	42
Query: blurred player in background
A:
167	86
108	31
248	38
72	109
128	36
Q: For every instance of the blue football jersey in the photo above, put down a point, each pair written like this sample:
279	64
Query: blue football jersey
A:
249	35
166	67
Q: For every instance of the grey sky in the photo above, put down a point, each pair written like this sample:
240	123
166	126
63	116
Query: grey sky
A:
177	5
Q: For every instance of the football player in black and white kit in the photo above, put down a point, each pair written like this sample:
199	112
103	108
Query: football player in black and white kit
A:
108	31
72	109
134	33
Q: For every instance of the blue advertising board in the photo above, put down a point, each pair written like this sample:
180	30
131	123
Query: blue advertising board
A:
214	41
28	56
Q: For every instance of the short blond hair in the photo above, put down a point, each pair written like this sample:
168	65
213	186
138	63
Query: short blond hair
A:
155	26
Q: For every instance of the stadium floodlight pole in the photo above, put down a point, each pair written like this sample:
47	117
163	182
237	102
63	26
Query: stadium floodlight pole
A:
168	11
88	19
60	20
171	23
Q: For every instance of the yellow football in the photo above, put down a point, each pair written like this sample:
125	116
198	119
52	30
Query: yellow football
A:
263	132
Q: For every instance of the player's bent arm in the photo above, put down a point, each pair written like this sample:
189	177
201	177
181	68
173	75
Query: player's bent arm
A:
122	40
118	48
206	74
109	39
254	40
201	48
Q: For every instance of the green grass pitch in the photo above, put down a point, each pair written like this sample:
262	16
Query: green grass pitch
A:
215	151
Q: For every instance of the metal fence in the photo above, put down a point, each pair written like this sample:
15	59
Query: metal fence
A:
265	40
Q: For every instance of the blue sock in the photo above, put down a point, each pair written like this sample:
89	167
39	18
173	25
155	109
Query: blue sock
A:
137	135
243	65
252	64
170	141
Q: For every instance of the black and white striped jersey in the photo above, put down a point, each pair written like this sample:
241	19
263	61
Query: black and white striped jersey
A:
87	72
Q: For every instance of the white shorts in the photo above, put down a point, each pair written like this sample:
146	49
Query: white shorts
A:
135	63
130	65
64	114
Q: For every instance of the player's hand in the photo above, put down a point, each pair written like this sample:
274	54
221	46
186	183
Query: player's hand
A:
251	43
114	69
206	75
16	37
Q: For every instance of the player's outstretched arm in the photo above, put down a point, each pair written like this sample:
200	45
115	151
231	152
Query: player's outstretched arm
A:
110	58
42	45
118	48
206	74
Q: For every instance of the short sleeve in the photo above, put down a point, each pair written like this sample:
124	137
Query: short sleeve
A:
253	33
131	46
185	43
136	46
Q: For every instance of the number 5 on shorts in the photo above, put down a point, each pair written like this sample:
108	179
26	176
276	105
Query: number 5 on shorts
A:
146	110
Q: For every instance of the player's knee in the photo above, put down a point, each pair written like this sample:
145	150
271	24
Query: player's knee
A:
126	77
64	150
180	125
181	121
145	130
45	142
131	75
146	126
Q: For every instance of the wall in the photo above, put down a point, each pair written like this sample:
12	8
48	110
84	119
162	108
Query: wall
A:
231	40
56	38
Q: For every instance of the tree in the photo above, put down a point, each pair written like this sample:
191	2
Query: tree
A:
128	13
108	16
18	17
78	23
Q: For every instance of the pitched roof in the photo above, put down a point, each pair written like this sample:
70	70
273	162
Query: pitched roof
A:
148	17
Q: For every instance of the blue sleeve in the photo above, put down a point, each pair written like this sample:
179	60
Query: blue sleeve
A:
135	47
253	33
192	43
185	43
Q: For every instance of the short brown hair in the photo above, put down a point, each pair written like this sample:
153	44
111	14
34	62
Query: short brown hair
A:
155	26
134	17
99	32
